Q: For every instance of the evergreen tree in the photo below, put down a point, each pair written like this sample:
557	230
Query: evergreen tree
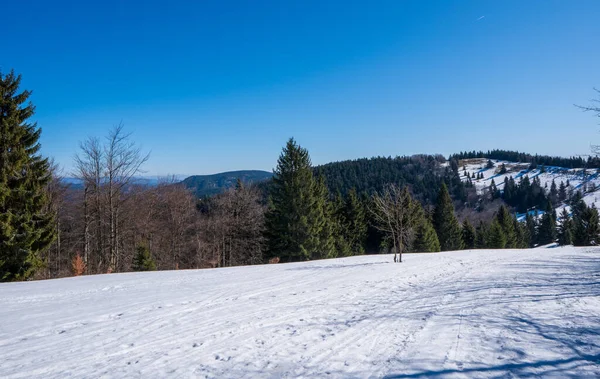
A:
579	212
593	226
521	239
505	221
26	222
562	191
143	261
445	222
502	169
553	195
547	229
426	240
321	215
481	236
494	191
354	214
531	227
468	235
296	221
341	227
496	237
585	222
564	230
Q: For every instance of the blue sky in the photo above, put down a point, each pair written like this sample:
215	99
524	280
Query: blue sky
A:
210	86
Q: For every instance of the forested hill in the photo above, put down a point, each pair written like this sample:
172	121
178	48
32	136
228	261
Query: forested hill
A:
424	174
533	160
207	185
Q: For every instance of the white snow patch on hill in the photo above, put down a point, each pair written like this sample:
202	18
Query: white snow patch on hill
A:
585	180
509	313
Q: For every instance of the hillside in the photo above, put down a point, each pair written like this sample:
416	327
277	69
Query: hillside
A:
508	313
206	185
585	180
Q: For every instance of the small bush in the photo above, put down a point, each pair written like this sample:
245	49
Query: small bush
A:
143	261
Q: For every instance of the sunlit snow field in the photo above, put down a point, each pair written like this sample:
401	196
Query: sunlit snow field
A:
456	314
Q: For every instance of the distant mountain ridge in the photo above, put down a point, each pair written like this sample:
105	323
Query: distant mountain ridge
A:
207	185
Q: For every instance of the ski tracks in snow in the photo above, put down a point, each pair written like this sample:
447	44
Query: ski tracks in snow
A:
455	314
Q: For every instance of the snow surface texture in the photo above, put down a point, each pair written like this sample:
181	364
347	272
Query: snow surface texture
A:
585	180
509	313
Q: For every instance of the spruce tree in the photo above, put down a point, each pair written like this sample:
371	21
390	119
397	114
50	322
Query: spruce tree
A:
341	227
593	226
496	237
468	235
505	220
553	195
26	221
323	223
585	225
426	240
143	261
521	240
481	236
580	216
547	229
354	214
562	191
564	230
445	222
531	227
297	221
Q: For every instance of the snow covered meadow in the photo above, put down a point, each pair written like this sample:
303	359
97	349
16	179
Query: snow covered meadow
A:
507	313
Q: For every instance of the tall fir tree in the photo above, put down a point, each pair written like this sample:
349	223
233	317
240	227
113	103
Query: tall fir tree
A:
521	239
481	236
580	214
323	222
547	229
426	239
468	235
445	222
341	227
297	218
354	214
26	220
565	236
531	225
496	236
505	220
585	225
553	194
562	192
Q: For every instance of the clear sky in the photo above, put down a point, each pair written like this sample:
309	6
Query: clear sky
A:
210	86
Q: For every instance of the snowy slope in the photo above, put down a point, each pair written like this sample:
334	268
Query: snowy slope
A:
587	181
456	314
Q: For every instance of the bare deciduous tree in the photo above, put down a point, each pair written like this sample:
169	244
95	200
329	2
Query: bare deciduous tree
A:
596	110
396	215
123	161
89	168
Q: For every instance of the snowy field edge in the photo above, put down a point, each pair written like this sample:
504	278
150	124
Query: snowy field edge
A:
463	314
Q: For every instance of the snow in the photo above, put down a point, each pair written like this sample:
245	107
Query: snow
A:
579	179
507	313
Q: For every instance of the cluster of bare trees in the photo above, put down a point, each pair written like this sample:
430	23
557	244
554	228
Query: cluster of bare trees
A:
109	215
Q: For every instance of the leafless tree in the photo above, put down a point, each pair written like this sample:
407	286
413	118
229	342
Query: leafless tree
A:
397	215
123	160
89	168
595	109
